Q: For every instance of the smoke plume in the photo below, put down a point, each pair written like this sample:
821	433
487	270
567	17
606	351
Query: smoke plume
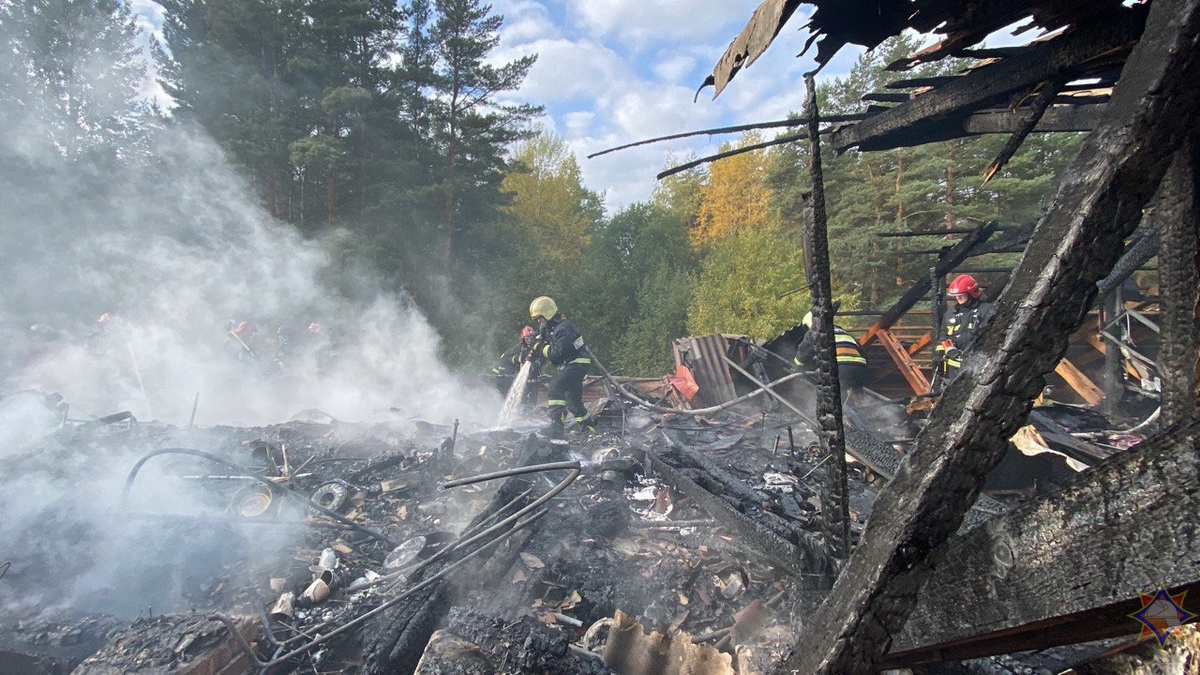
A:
159	285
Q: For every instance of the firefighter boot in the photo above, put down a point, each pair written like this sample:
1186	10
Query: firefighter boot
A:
586	425
555	429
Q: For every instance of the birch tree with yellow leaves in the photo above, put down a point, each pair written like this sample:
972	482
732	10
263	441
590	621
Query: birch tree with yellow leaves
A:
736	196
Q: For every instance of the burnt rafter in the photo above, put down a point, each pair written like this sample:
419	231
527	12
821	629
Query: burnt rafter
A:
1041	102
1067	54
835	23
1064	118
1030	596
1116	173
967	23
1055	118
1176	213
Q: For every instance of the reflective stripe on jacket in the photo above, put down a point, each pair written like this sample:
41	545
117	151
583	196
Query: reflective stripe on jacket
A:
845	347
962	329
564	344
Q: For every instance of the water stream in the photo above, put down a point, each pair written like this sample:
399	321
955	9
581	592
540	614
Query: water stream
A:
516	394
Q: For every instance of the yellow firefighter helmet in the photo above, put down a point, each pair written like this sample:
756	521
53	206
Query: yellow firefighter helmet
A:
543	307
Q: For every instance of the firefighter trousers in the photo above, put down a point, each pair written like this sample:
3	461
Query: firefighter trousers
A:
565	393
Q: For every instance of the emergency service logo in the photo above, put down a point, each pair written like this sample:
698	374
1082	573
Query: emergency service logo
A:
1160	614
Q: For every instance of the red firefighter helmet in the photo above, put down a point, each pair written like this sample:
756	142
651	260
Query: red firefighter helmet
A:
527	332
964	284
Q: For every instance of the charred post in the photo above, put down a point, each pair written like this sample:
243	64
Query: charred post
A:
829	399
1176	214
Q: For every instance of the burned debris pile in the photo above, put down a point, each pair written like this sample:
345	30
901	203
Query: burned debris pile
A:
346	547
409	546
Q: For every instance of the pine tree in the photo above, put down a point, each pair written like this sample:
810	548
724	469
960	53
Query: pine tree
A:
303	96
74	78
469	126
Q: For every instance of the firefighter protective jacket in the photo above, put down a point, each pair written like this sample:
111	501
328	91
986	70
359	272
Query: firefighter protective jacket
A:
962	328
564	344
845	346
510	361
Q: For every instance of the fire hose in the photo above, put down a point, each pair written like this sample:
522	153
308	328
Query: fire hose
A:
133	473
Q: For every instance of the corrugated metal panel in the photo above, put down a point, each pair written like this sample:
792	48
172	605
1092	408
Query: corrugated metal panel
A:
630	651
703	356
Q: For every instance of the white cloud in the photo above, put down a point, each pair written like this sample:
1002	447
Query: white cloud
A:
567	70
576	124
639	23
673	66
619	71
525	21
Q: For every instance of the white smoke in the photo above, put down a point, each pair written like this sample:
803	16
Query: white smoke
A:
176	261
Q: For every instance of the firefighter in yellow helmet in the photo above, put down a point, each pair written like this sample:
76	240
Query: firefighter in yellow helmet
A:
561	344
851	361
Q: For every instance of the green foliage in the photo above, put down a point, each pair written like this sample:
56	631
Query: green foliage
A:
748	282
631	290
663	263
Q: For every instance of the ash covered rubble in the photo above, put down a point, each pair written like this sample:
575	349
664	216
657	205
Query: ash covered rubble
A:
668	540
348	546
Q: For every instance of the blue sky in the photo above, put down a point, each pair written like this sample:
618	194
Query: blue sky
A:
611	72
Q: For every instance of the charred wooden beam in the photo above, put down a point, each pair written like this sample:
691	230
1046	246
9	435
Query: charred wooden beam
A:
1136	255
1065	118
809	564
1030	595
955	256
1116	173
987	53
985	85
915	82
1176	213
1032	116
886	97
1016	237
967	23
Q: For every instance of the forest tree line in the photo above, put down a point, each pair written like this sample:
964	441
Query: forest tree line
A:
384	131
